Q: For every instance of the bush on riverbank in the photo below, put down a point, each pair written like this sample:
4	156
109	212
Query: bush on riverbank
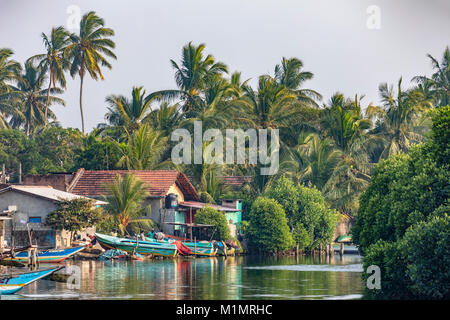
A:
403	225
208	215
310	219
268	230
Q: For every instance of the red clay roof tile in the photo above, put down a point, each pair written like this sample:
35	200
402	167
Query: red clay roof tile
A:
91	183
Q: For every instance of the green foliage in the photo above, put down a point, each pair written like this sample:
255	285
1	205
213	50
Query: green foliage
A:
403	224
99	154
268	228
441	135
74	215
405	189
301	236
305	206
208	215
285	193
426	247
125	197
394	280
415	267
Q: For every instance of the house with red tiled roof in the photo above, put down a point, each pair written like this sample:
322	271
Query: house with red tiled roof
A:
172	201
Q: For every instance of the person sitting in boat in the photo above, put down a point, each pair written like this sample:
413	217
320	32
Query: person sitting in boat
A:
142	236
159	236
151	234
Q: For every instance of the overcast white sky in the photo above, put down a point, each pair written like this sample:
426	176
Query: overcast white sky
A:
251	36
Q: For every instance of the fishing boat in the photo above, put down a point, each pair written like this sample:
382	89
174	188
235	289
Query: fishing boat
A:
49	256
201	248
156	248
198	248
10	284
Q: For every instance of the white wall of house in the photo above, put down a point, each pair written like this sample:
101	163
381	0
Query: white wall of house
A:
29	206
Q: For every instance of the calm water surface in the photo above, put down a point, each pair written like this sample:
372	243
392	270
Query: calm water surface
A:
210	278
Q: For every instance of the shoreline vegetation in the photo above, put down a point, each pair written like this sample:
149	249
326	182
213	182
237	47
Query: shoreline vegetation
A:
383	166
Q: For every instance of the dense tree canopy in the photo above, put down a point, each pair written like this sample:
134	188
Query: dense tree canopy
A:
403	225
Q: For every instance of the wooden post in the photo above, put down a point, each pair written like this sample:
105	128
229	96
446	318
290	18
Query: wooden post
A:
328	249
342	249
3	177
190	217
296	250
20	172
320	249
195	246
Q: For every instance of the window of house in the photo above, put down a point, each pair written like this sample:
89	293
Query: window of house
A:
34	220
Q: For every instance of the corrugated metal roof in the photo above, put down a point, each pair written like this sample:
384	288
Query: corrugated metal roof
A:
49	193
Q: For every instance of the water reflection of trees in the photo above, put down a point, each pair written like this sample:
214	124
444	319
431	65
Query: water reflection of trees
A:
210	278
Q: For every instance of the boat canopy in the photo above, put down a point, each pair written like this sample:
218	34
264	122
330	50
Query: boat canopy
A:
199	205
191	225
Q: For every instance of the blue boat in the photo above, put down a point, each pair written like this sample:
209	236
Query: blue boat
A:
10	284
49	256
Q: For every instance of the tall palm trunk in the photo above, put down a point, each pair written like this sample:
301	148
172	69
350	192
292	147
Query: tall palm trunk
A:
81	99
48	98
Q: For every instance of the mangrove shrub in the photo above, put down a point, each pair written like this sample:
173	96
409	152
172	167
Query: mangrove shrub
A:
268	228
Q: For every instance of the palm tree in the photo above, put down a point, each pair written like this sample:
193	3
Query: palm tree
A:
290	75
195	69
127	113
344	123
313	160
144	149
165	119
270	106
30	98
53	60
125	196
9	69
9	73
87	51
440	79
400	121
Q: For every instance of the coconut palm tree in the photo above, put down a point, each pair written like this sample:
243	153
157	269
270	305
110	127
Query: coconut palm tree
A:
313	160
30	99
144	149
127	114
270	106
290	75
53	60
89	50
400	121
191	74
125	197
165	119
440	79
9	68
343	122
9	72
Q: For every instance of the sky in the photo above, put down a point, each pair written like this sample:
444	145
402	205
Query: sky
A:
349	45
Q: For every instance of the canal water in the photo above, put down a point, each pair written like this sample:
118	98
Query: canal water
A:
244	277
